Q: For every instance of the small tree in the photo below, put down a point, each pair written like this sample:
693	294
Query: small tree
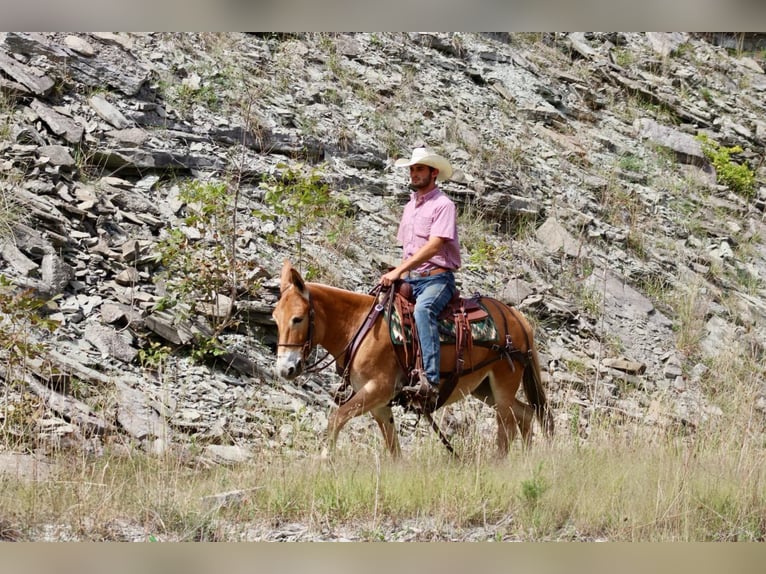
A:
200	263
296	199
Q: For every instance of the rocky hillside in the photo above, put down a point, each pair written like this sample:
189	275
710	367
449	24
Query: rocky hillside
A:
588	199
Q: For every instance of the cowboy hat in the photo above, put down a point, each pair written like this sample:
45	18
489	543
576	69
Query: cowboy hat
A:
425	156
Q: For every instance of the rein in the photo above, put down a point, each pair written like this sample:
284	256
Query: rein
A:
351	347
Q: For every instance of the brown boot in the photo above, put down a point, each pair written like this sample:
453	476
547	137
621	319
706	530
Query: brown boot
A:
422	394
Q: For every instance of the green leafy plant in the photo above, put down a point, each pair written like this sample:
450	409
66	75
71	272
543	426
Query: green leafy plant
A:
20	313
630	162
154	354
737	176
200	265
197	270
295	199
207	348
623	58
484	253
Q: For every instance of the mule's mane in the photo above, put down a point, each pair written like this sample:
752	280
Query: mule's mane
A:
358	297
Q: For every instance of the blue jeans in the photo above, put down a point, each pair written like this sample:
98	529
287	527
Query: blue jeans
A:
431	297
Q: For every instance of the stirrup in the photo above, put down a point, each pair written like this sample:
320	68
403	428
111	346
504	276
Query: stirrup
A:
422	394
419	384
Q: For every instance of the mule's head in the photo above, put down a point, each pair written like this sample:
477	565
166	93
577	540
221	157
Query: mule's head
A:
292	315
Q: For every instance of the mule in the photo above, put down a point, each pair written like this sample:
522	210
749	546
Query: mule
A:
310	314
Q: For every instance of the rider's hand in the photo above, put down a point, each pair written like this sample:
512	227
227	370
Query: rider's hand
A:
387	279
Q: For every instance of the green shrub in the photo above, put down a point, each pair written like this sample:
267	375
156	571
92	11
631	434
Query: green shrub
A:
19	409
19	310
532	489
737	176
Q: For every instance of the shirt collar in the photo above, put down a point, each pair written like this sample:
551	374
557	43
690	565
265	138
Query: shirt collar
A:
426	197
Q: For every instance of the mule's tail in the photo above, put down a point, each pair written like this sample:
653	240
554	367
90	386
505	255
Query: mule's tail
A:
535	393
532	378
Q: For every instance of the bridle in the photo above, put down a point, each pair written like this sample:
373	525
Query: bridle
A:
349	349
308	344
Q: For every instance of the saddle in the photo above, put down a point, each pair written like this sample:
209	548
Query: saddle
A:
462	322
459	312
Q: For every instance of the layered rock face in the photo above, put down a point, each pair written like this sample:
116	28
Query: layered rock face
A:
585	194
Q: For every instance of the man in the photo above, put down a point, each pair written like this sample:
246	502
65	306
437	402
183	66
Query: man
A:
431	252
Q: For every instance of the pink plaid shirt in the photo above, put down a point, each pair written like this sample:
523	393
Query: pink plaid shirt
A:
433	215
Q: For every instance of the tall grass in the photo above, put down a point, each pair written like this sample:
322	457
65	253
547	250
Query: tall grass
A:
637	483
10	211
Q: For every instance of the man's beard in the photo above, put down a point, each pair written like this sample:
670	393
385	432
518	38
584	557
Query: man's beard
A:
414	187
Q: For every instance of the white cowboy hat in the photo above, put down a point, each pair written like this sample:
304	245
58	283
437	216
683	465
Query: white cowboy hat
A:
425	156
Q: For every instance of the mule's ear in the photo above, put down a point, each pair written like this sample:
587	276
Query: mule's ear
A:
299	283
291	278
285	277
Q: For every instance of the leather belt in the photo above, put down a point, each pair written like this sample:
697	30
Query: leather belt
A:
429	273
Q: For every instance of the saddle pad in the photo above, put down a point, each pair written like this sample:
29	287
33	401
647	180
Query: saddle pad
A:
483	330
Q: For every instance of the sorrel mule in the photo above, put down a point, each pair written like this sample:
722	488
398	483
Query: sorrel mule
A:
310	314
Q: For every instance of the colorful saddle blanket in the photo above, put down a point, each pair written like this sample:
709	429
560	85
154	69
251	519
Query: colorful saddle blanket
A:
483	330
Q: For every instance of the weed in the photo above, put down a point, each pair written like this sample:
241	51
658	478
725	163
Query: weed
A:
19	317
630	162
154	355
187	96
11	212
332	97
635	242
532	489
689	324
623	58
590	299
574	422
206	348
485	253
20	312
576	366
7	104
20	413
529	37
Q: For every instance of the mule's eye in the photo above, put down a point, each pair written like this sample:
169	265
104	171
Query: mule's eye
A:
296	320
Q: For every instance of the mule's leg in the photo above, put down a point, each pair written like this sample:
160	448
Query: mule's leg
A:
384	416
525	417
506	429
504	383
369	397
484	393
